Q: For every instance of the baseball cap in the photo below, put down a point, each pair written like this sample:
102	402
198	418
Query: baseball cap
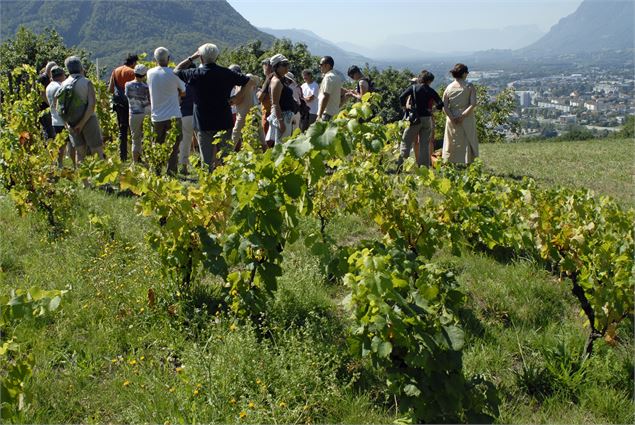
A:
140	69
276	59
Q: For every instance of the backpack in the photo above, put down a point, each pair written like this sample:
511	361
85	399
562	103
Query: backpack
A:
67	101
371	85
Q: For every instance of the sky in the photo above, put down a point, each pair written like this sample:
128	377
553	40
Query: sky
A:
373	21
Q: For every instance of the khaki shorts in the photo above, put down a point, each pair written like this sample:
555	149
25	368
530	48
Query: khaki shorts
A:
89	136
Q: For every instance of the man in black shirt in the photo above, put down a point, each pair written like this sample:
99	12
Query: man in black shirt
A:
422	97
212	85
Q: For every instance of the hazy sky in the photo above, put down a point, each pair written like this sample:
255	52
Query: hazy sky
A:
364	21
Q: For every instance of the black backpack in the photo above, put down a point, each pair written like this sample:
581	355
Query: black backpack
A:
371	85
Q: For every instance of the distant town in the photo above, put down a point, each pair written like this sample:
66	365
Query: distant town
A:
598	98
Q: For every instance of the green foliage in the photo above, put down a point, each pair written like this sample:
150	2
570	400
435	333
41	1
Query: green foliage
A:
577	132
628	129
250	56
27	160
16	362
390	83
36	50
405	319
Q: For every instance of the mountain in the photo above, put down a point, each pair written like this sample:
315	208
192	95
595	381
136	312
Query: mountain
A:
471	40
390	52
109	29
596	25
320	47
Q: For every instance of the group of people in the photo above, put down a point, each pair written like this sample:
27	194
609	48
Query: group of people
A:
207	102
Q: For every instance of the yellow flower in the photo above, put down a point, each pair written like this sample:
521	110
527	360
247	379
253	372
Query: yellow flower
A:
233	327
171	389
242	414
126	383
258	382
232	401
282	404
195	392
142	310
251	405
132	362
142	358
113	361
179	369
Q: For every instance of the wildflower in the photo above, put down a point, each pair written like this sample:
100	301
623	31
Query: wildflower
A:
142	358
195	392
171	389
126	383
251	405
233	327
258	382
142	310
232	401
242	414
282	404
132	362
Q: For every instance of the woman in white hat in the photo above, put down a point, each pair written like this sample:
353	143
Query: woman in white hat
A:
283	105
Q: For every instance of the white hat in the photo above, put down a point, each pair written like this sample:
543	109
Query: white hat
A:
140	69
276	59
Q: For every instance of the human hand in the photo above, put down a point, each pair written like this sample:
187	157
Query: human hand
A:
283	126
78	128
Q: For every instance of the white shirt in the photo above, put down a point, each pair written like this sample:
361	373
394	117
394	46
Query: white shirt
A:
311	90
331	84
164	93
51	89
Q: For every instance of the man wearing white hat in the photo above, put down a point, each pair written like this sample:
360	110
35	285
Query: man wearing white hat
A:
138	95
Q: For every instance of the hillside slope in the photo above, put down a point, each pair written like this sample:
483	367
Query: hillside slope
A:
109	29
595	26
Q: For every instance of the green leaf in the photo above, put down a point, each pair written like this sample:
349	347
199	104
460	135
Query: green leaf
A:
384	349
292	184
325	139
455	337
55	303
412	390
299	147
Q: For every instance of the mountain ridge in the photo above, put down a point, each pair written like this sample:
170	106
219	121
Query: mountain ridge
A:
181	26
594	26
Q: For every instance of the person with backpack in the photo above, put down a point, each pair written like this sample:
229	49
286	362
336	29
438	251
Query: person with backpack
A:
138	95
363	84
57	77
117	85
75	103
283	105
420	118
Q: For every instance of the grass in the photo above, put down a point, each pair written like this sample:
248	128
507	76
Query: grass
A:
108	356
605	166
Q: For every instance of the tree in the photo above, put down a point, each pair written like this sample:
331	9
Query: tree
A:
628	129
250	56
28	48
